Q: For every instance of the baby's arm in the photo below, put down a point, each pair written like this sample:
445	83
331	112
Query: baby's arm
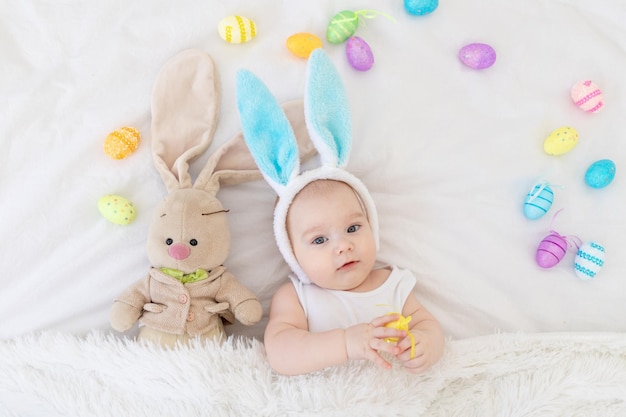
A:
429	337
292	349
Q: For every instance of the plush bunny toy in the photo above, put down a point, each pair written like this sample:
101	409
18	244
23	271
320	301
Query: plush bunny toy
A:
188	292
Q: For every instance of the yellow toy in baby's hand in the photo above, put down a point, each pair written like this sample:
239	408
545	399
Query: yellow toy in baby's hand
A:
401	324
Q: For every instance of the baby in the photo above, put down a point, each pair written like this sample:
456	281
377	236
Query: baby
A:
326	227
338	317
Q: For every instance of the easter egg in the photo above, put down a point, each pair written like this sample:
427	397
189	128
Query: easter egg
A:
561	141
342	26
302	44
236	29
420	7
551	250
121	142
600	173
587	96
359	54
117	209
477	55
589	260
538	201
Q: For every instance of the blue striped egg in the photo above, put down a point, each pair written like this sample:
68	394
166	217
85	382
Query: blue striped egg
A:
538	201
589	260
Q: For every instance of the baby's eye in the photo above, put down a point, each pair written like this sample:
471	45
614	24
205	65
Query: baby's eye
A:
319	240
353	228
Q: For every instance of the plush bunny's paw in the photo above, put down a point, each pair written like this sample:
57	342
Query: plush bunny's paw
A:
249	312
123	316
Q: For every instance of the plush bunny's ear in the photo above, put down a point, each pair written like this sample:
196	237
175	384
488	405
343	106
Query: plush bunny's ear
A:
185	104
267	131
327	111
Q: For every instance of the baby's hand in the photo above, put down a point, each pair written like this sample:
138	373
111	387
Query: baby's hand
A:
364	341
421	359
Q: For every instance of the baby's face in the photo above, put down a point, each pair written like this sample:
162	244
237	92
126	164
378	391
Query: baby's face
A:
331	236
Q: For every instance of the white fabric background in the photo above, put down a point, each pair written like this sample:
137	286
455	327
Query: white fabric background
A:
447	152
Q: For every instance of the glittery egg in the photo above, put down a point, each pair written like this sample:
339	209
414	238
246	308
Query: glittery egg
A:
600	173
121	142
420	7
236	29
587	96
538	201
551	250
561	141
589	260
359	54
302	44
342	26
477	55
117	209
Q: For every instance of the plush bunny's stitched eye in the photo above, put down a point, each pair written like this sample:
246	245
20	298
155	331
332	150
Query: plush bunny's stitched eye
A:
215	212
168	241
193	242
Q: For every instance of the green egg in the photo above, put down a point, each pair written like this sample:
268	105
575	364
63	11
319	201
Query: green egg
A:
342	26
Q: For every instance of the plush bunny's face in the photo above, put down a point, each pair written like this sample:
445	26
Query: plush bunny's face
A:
189	232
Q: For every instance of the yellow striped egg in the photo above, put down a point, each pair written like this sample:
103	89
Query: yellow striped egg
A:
302	44
236	29
117	209
561	141
121	142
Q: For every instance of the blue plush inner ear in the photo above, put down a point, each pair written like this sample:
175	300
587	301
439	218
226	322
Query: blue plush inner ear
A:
266	130
328	114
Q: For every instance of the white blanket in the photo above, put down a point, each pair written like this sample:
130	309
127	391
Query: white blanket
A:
499	375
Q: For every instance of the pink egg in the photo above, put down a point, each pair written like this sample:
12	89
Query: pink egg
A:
551	250
359	54
587	96
477	55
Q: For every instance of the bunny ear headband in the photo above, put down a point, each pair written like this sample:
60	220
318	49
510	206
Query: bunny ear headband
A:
274	148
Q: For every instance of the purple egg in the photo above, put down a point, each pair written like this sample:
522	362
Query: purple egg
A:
477	55
551	250
359	54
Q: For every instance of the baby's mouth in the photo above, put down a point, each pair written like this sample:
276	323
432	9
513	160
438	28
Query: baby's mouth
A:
348	265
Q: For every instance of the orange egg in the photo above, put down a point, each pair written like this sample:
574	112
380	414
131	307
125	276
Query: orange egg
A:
121	142
302	44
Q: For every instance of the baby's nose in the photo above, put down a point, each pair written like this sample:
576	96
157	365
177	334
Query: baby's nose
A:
344	245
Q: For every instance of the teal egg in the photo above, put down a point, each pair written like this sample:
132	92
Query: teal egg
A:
538	201
600	173
420	7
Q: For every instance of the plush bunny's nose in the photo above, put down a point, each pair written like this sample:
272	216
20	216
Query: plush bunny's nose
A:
179	251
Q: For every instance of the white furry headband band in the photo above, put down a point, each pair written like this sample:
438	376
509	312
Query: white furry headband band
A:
271	141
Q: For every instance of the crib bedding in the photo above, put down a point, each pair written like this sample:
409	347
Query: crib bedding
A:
449	154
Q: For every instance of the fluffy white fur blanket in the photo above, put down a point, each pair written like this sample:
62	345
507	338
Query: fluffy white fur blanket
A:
56	374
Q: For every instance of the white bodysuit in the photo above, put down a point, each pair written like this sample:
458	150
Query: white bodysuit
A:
331	309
